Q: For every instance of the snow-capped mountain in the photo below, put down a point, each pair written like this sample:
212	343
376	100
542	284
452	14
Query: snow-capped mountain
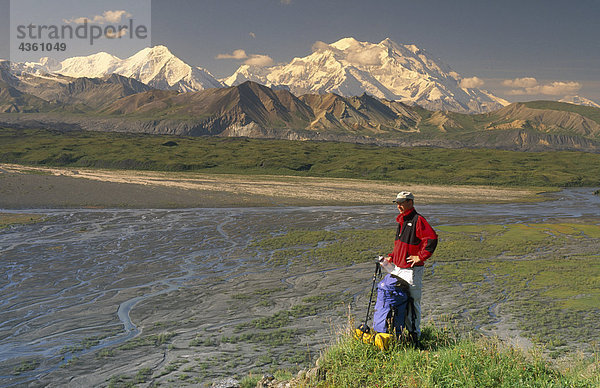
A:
578	100
347	67
386	70
155	66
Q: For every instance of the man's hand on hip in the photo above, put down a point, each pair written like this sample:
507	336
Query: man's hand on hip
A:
412	260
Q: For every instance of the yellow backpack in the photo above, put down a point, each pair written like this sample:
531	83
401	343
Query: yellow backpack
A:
382	340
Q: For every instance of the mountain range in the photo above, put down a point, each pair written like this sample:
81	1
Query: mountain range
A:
155	92
254	110
347	67
156	67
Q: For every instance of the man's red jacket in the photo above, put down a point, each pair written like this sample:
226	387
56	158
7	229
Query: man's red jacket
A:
414	237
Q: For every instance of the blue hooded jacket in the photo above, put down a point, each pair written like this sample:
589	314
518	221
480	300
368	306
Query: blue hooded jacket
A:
390	296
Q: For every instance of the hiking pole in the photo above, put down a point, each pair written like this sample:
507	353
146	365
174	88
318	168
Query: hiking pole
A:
364	327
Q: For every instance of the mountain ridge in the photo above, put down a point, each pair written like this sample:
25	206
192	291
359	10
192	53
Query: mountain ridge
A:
254	110
155	66
348	67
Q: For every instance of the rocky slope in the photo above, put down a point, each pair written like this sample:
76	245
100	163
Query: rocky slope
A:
13	100
253	110
520	116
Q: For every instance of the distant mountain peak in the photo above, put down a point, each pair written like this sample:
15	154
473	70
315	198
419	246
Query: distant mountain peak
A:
159	49
386	70
155	66
578	100
345	43
155	52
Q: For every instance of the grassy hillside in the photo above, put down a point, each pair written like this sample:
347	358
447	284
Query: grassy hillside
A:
489	277
281	157
512	267
586	111
446	361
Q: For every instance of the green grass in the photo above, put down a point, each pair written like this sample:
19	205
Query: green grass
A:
534	269
459	242
10	219
306	246
312	305
257	294
447	361
25	366
123	381
278	337
149	340
586	111
105	353
281	157
544	278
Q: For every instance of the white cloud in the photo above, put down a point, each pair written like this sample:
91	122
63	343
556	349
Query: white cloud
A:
517	92
454	75
560	88
114	16
106	17
250	59
113	34
354	53
366	57
237	54
471	82
525	82
80	20
555	88
320	45
259	60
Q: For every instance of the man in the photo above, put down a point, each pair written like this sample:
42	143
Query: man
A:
415	243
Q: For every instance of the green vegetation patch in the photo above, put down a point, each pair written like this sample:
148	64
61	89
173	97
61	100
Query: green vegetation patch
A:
538	274
9	219
312	305
544	279
306	246
446	362
25	366
86	343
461	242
149	340
282	157
486	241
586	111
124	381
279	337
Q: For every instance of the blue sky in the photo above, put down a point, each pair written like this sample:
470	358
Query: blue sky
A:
547	46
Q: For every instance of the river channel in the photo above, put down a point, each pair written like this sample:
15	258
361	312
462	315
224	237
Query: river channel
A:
81	272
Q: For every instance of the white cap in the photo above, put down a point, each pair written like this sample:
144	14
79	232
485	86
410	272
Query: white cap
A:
404	196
